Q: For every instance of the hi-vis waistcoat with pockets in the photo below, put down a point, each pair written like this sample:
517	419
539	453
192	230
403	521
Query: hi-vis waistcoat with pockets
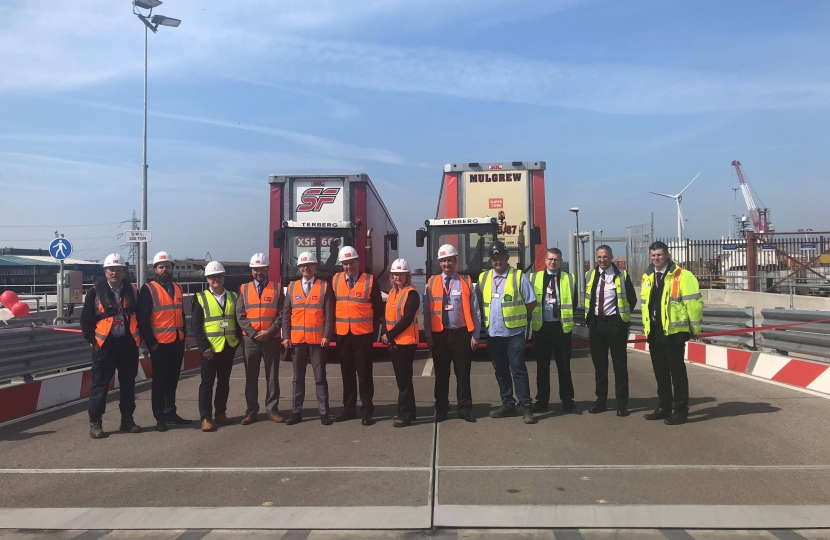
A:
106	316
261	311
394	313
566	305
513	309
623	306
307	316
353	312
220	326
681	309
167	318
435	301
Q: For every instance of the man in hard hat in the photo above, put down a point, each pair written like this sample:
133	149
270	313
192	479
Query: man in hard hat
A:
217	335
358	307
258	314
307	328
553	322
672	308
109	323
162	326
452	322
508	300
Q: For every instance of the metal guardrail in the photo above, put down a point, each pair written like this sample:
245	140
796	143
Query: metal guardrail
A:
28	352
811	339
28	320
716	320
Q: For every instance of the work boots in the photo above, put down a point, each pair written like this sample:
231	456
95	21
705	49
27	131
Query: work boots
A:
128	425
96	429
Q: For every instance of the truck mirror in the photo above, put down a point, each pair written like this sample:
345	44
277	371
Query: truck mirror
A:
536	235
420	235
279	238
393	241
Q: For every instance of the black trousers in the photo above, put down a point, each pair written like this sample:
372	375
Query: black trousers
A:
356	365
670	370
452	349
610	334
402	358
117	353
167	366
550	339
302	354
218	370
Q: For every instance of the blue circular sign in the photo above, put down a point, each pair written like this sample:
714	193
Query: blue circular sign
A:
60	248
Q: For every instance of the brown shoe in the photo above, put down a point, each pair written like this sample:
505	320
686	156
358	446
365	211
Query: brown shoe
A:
248	420
223	420
207	425
277	418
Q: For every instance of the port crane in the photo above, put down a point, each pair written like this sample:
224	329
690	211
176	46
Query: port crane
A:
759	216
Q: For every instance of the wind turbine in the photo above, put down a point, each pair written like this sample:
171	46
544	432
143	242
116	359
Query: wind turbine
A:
678	198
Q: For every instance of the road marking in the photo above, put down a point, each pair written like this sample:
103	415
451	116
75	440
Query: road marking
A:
427	369
201	470
759	379
633	467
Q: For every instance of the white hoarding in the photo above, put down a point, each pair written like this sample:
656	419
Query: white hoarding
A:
502	195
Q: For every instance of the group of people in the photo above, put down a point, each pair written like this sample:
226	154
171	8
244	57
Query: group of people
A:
314	312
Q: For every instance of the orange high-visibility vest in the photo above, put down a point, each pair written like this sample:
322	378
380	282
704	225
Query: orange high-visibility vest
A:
353	311
307	316
394	313
103	326
435	300
261	311
167	318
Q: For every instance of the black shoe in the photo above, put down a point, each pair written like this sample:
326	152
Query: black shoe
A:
527	413
658	414
466	417
367	420
540	407
676	420
128	425
573	409
161	425
295	418
505	411
178	420
96	430
440	416
596	409
326	420
345	415
623	411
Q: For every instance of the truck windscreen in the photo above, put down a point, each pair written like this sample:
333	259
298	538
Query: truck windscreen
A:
471	241
325	243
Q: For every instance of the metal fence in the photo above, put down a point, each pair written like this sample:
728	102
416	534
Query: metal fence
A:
29	352
716	320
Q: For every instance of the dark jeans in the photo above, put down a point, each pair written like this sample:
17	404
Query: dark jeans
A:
508	357
269	354
402	358
167	366
117	353
610	333
301	355
452	349
670	370
218	370
550	339
356	364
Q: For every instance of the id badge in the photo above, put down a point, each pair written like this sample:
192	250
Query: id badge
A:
223	324
551	300
448	307
496	295
118	321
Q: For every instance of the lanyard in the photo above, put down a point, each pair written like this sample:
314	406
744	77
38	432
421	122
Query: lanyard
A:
497	283
448	289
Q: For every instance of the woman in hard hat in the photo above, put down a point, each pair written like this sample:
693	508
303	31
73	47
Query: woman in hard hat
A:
402	336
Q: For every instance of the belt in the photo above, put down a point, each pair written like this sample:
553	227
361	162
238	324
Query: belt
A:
462	330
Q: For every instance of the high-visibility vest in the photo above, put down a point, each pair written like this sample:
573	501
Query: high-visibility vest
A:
394	313
261	310
353	310
217	335
566	306
435	301
104	324
681	304
167	318
513	310
623	306
307	316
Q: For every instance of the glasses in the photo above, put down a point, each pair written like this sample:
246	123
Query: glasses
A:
216	277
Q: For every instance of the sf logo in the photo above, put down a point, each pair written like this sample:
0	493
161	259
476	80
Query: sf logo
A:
314	198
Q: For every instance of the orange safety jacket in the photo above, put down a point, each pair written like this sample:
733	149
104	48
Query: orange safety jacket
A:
307	316
104	325
167	318
394	313
353	311
261	311
435	300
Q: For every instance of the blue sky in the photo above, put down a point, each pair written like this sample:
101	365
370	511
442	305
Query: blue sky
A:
619	98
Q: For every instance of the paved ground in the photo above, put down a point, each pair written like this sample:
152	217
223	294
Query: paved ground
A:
759	448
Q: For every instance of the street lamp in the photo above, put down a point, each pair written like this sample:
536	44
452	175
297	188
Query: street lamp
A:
575	210
151	22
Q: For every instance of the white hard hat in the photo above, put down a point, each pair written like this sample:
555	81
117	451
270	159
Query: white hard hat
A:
447	250
307	257
162	256
213	268
114	259
259	260
347	253
400	266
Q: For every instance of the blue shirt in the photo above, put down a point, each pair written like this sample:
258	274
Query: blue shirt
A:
549	314
497	327
456	315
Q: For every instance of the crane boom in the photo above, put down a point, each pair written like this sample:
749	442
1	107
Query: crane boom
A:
759	217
